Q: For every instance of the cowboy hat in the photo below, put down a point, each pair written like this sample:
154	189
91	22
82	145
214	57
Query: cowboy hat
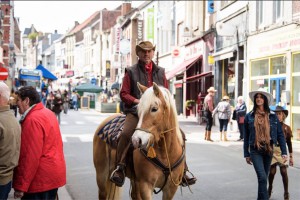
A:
226	98
211	89
281	109
263	92
145	45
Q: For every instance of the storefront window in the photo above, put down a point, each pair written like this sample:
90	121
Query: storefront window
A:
296	126
296	63
260	67
278	65
296	91
260	83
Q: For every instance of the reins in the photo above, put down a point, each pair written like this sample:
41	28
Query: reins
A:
167	170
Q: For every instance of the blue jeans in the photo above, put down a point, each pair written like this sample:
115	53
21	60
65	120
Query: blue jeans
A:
241	129
75	105
223	124
262	162
4	191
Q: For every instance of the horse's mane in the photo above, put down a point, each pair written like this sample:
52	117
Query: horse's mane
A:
148	97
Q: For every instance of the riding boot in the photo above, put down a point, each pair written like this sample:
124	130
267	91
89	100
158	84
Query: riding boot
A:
220	136
186	180
205	137
118	175
225	136
208	136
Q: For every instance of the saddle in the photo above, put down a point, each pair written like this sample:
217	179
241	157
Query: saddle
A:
110	133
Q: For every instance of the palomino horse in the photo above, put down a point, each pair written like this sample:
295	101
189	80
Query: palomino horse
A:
158	156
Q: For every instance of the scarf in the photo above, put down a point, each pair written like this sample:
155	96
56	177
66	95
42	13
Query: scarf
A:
148	67
25	113
262	130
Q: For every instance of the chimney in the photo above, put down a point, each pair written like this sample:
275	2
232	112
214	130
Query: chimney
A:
76	23
55	31
126	8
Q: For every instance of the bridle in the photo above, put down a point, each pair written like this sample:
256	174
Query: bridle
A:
167	170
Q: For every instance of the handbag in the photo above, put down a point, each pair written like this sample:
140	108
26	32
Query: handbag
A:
234	115
241	119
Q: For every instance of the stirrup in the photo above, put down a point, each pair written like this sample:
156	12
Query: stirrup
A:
186	182
120	168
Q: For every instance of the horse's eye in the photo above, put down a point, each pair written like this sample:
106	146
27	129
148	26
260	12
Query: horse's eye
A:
154	109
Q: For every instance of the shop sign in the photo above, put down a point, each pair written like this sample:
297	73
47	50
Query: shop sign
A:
211	60
194	49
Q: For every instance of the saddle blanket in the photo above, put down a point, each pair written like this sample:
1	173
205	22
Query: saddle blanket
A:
112	130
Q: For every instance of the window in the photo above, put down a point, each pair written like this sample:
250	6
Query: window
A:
260	67
259	11
278	65
296	91
277	10
296	63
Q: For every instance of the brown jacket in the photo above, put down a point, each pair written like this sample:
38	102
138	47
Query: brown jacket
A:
10	141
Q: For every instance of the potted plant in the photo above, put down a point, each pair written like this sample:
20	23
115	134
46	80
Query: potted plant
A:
189	104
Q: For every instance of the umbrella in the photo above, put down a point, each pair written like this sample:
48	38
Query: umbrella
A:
88	87
115	85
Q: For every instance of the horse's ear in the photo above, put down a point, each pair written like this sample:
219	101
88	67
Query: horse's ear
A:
141	87
156	89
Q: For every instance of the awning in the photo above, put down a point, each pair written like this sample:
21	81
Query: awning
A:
88	87
46	73
198	76
225	53
182	67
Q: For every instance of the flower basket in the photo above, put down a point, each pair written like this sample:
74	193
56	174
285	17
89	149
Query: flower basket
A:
189	104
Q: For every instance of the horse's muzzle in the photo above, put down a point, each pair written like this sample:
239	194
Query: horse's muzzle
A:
140	139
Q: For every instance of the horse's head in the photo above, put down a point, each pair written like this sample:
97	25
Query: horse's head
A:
157	114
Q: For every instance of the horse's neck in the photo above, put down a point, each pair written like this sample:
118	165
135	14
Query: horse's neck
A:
170	144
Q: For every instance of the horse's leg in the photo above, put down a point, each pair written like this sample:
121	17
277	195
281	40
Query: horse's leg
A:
169	191
143	190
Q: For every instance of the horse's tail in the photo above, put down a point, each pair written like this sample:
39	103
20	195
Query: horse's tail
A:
104	158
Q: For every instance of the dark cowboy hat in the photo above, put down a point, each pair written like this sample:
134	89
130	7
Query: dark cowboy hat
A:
281	109
145	45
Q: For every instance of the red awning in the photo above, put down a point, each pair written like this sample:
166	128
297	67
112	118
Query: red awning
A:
199	75
182	67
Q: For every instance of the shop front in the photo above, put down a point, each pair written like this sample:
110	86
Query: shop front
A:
274	60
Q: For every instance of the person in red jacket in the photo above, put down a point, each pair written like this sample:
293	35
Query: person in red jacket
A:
42	167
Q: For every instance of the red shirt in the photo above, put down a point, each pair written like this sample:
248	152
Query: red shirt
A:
125	95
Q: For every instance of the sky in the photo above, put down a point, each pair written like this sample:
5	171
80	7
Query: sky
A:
48	16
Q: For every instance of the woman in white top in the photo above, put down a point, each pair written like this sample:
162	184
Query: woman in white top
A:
224	112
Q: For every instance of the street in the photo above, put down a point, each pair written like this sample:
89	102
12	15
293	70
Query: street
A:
220	168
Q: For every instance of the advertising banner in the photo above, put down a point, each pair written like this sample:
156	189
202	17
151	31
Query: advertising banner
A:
150	23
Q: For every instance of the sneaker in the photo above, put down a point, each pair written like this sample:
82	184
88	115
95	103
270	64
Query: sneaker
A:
118	177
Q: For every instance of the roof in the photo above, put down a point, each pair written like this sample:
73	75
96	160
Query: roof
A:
85	23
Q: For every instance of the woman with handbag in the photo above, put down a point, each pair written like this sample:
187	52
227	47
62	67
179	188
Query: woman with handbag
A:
240	111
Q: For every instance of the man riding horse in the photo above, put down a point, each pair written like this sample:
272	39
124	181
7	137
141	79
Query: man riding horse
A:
145	72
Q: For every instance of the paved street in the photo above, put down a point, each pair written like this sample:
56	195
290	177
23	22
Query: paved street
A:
219	166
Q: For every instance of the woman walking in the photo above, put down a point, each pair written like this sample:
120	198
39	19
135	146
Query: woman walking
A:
240	111
277	160
224	112
262	130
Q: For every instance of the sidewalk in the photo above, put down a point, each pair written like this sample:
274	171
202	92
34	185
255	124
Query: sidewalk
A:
195	134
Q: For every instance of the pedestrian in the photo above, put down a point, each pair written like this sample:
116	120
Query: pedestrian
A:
223	109
57	106
75	100
262	130
10	141
277	160
240	112
66	100
145	72
208	109
13	103
42	168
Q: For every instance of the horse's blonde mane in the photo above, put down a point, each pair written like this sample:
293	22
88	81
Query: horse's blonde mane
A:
147	99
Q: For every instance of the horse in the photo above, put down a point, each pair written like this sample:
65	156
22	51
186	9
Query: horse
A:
158	155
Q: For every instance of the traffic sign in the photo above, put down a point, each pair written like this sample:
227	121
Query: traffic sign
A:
3	73
175	52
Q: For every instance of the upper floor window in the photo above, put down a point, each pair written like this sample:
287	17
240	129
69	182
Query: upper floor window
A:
260	9
277	10
226	3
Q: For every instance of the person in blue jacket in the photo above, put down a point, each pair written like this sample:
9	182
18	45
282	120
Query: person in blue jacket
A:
262	130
